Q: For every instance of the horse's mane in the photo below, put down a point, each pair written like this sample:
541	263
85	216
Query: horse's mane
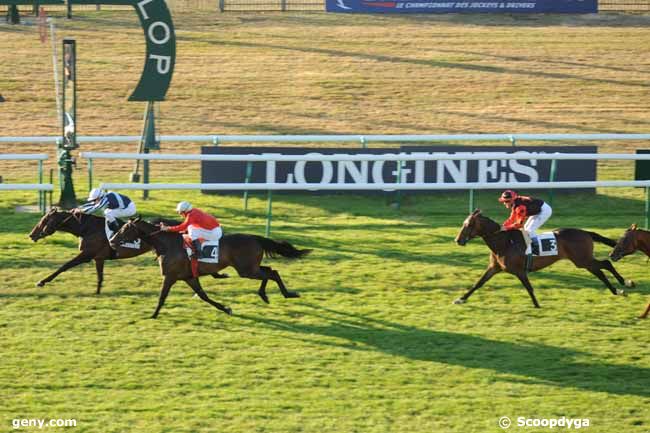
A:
488	219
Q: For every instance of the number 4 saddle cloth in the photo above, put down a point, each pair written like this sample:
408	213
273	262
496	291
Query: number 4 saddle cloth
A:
209	253
544	244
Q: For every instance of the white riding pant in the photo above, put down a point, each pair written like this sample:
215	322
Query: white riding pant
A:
209	235
112	214
533	223
536	221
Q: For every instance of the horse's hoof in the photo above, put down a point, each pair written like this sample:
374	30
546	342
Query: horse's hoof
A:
154	317
630	283
459	301
264	297
40	283
228	311
621	292
219	276
292	295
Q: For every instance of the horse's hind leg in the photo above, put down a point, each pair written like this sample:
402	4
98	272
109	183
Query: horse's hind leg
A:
99	266
646	312
524	280
606	264
196	286
275	276
77	260
262	291
594	268
164	291
489	273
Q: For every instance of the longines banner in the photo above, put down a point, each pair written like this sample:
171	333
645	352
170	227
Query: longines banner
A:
415	6
438	171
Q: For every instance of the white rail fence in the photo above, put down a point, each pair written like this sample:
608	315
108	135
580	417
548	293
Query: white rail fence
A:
381	186
41	187
363	139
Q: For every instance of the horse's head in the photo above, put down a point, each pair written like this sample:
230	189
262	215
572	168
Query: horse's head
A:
49	224
626	245
475	225
129	232
469	230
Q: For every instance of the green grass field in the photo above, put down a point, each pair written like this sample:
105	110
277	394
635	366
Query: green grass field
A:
374	345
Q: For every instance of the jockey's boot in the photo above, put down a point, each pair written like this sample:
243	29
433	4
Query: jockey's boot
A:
197	248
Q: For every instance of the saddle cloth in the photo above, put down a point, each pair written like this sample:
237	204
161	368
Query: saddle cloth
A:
109	234
545	244
209	250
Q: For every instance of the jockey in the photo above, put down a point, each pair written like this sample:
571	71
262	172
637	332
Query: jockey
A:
527	213
198	224
115	205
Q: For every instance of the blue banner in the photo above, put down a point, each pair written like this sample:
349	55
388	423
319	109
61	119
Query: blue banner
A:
438	6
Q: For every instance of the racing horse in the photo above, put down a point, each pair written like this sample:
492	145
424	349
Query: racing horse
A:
93	244
632	240
507	253
242	251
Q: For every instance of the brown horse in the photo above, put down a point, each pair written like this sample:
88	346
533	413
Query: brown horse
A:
93	244
241	251
633	240
508	253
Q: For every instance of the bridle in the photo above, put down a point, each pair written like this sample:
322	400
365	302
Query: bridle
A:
49	229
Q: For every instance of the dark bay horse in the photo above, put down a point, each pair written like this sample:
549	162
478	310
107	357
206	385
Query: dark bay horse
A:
241	251
508	253
633	240
93	244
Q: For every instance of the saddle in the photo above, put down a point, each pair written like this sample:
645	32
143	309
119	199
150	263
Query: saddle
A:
544	245
209	253
118	224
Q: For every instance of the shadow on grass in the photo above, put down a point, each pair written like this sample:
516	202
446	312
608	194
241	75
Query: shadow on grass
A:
538	363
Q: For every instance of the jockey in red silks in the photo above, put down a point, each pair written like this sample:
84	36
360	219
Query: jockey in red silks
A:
526	214
198	224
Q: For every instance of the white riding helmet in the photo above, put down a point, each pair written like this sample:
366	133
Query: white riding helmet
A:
183	207
96	193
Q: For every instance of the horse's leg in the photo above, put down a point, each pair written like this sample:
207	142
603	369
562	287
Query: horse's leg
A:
77	260
645	314
489	273
524	280
275	276
99	266
168	282
606	264
262	290
594	268
196	286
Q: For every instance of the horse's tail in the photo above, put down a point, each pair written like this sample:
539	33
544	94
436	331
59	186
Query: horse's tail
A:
602	239
285	249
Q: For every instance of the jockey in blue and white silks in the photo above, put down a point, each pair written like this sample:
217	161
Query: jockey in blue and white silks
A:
115	205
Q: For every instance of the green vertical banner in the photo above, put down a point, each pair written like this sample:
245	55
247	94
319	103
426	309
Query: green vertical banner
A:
160	39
